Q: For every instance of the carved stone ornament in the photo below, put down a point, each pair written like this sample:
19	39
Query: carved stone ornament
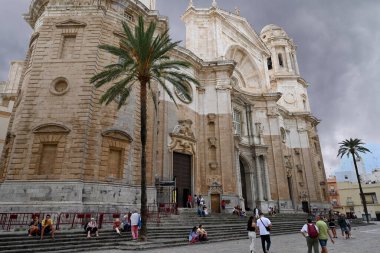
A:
272	111
213	165
183	129
289	172
211	117
215	186
212	142
183	138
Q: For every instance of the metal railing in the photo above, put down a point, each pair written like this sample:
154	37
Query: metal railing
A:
79	219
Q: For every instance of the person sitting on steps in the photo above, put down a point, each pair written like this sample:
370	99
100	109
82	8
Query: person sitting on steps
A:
202	233
47	227
92	227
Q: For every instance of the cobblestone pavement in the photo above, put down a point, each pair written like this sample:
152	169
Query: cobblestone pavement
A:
365	240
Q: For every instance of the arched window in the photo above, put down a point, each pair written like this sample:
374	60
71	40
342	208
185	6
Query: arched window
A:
269	63
280	61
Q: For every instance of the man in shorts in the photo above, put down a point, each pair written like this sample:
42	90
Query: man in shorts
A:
324	234
47	227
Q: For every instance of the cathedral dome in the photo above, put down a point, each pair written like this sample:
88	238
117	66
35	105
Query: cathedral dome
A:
272	31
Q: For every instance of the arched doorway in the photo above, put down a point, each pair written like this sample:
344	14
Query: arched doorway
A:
246	184
182	174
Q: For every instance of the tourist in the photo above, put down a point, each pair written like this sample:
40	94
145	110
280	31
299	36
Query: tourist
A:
47	227
34	227
193	236
348	227
332	227
264	225
251	227
256	212
324	234
198	200
311	233
202	233
223	204
135	219
205	211
92	227
126	222
343	226
189	201
269	211
117	225
201	201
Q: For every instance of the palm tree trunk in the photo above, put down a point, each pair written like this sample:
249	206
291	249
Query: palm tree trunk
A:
143	119
360	189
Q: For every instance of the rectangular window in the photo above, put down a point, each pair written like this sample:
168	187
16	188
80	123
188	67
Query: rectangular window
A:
370	198
115	163
236	118
68	46
48	155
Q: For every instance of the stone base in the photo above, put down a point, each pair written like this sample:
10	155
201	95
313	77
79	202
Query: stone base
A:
73	196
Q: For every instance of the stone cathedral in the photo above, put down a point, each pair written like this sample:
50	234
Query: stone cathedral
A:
247	136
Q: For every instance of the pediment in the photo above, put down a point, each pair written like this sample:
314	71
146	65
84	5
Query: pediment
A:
70	23
239	24
51	128
117	134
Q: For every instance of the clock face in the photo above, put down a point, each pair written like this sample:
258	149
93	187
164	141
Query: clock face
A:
181	94
289	98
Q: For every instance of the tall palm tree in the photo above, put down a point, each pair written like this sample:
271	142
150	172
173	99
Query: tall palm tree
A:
143	59
353	147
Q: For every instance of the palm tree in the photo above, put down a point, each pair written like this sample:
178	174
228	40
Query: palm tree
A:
143	59
353	147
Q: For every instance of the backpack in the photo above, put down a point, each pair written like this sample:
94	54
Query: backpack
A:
312	231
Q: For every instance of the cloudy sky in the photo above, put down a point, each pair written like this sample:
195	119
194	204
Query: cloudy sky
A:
338	53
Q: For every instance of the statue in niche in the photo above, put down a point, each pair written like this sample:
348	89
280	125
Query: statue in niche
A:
260	131
288	163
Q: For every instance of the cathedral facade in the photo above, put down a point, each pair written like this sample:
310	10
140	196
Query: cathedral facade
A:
247	136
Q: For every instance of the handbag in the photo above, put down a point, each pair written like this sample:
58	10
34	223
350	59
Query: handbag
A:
266	227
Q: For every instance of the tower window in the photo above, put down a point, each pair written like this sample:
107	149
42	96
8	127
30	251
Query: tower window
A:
269	62
280	61
236	118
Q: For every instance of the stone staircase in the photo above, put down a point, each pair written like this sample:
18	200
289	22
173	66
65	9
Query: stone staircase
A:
172	231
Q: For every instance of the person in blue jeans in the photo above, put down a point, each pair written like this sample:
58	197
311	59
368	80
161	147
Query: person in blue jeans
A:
264	225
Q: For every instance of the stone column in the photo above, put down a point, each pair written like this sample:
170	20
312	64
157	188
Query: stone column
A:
238	185
259	180
288	59
267	183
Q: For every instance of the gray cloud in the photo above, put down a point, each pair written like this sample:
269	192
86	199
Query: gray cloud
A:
338	54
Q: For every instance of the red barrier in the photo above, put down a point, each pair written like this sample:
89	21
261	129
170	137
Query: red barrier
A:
74	219
71	220
9	220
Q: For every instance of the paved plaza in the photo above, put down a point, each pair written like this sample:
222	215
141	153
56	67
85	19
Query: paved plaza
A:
365	240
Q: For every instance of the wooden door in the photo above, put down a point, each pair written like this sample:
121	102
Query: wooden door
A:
182	175
215	203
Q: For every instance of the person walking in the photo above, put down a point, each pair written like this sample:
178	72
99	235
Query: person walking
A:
332	227
311	233
343	226
251	227
324	234
264	225
135	217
